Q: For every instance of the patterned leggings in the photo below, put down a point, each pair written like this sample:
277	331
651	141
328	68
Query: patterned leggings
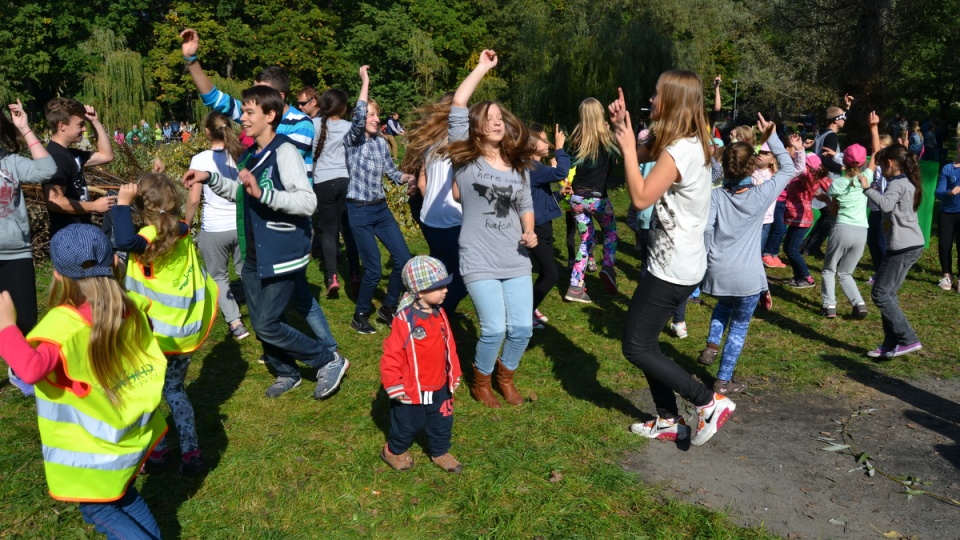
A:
180	407
584	210
733	312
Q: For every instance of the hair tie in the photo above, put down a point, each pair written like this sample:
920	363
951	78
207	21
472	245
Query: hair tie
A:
163	212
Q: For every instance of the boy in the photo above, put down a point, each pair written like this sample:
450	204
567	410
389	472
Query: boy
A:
419	368
277	204
66	195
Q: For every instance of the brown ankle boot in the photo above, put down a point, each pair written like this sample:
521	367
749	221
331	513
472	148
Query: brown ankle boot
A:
481	391
506	386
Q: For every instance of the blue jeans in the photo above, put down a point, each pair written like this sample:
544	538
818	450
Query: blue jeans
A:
123	519
267	300
792	247
771	246
503	307
445	246
308	308
733	312
370	223
893	271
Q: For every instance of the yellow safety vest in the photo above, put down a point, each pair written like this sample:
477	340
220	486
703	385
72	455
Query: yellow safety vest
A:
183	298
93	449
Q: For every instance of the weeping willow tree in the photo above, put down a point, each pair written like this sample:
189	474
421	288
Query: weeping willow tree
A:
118	87
427	66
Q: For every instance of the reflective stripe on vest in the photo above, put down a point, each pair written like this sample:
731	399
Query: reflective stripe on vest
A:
89	460
169	300
61	412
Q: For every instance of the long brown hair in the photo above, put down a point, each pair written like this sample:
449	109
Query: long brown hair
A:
159	204
516	148
907	162
429	129
221	130
333	102
681	112
9	143
117	331
591	133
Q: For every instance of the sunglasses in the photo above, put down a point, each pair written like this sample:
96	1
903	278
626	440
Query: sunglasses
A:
302	103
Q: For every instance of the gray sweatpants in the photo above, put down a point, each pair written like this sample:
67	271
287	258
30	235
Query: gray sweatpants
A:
844	249
216	248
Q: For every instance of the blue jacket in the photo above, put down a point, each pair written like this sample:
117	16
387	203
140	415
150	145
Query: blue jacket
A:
545	207
949	179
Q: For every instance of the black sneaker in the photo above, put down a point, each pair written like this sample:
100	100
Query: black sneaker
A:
385	314
860	312
192	467
361	323
829	312
801	283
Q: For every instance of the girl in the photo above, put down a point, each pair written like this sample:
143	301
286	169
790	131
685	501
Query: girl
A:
218	226
916	139
490	150
330	181
545	210
948	193
876	242
770	254
164	269
370	218
798	216
734	275
17	274
441	217
594	155
679	185
849	234
899	205
98	372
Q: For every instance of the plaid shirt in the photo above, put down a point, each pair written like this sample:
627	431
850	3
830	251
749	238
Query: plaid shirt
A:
368	159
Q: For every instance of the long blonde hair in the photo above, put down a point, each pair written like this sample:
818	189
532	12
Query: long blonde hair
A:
591	133
117	331
681	112
159	204
516	148
429	129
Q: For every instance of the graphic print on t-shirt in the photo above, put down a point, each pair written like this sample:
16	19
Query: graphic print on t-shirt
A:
663	232
9	188
502	198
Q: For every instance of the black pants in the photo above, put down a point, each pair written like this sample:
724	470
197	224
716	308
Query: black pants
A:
876	240
948	234
650	309
543	254
17	277
435	419
332	218
819	233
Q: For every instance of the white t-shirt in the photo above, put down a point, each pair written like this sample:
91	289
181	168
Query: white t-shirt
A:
439	209
219	214
677	252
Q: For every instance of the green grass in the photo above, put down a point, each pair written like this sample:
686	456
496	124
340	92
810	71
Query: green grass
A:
298	468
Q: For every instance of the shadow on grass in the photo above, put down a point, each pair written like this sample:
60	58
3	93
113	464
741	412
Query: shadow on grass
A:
222	372
935	413
778	319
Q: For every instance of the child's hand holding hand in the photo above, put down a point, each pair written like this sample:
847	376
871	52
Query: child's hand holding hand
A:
8	313
127	193
528	239
250	184
193	177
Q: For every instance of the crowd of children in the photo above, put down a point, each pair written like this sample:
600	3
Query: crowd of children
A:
708	217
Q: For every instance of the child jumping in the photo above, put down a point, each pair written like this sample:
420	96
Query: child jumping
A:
83	358
164	270
420	369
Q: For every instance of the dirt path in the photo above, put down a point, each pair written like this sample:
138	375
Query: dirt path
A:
765	467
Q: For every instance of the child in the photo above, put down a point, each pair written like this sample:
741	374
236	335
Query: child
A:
848	236
734	275
89	348
876	242
277	204
419	368
545	210
490	150
370	218
679	187
798	216
899	205
68	200
948	189
17	275
595	154
164	270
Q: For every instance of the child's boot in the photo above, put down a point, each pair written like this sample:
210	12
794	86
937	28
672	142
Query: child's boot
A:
506	386
481	391
447	463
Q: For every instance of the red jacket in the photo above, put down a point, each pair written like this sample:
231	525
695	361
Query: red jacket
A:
800	193
403	361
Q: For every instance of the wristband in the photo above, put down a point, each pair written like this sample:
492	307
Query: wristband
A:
24	135
33	143
190	59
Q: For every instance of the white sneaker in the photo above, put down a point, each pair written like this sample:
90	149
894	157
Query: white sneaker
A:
945	283
679	329
662	429
712	417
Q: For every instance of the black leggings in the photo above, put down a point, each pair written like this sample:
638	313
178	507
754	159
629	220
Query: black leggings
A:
651	307
332	218
17	277
948	234
543	254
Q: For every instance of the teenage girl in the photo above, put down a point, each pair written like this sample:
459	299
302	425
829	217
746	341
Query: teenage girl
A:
679	187
899	205
165	270
17	275
545	210
490	150
218	225
594	155
99	372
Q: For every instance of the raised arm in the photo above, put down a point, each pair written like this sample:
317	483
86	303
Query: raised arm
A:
643	191
716	93
488	61
189	48
104	153
19	119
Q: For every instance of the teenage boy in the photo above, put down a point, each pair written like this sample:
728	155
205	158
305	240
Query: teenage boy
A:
277	201
66	195
836	119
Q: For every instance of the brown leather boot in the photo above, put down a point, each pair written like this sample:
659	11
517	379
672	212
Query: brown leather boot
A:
506	386
481	391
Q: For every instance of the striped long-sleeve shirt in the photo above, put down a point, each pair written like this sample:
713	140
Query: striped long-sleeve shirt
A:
298	127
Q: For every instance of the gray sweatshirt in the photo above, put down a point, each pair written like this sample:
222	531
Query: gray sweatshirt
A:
732	235
900	223
14	221
493	201
332	162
